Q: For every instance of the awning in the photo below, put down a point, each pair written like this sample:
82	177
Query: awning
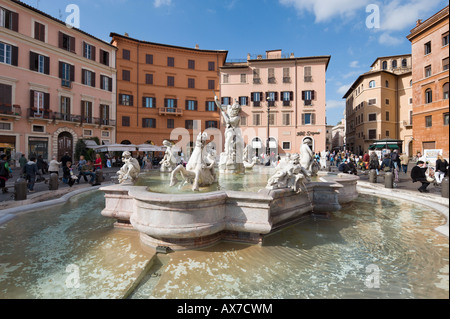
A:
384	146
150	148
90	144
115	148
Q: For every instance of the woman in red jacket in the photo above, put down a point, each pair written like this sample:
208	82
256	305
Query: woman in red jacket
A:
98	162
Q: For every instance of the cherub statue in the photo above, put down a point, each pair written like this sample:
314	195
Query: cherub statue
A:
130	170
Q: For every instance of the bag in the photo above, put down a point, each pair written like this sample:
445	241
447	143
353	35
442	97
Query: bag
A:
3	171
387	169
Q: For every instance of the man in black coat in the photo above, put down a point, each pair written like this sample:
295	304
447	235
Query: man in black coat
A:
418	175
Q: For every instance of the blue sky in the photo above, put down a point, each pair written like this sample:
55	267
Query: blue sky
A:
303	27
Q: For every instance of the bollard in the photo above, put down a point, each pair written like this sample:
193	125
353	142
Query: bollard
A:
53	183
389	180
20	189
445	187
373	176
99	178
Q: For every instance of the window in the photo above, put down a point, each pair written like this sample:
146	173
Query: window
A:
387	133
170	103
125	121
104	115
287	98
286	146
387	116
40	102
191	83
66	74
104	57
404	63
446	118
286	75
445	91
211	84
170	61
272	97
170	123
243	100
88	51
5	126
243	121
211	106
256	98
149	123
428	71
126	54
191	105
256	119
211	66
87	132
39	63
308	119
372	84
372	102
445	64
394	64
256	76
191	64
66	42
170	81
427	48
189	124
428	121
387	83
384	65
39	31
308	74
372	117
226	100
387	101
8	54
286	119
88	78
211	124
106	83
308	97
149	59
445	39
125	99
271	78
243	78
428	96
86	112
372	134
149	79
65	108
149	102
126	75
9	19
225	78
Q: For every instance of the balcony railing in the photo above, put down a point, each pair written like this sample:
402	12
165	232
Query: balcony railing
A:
272	80
66	83
308	78
45	114
256	80
66	117
170	111
286	79
286	103
8	109
105	122
272	103
256	103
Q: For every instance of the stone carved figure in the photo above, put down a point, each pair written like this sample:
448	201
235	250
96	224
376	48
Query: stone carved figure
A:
249	165
169	161
323	160
290	174
306	154
131	169
230	159
199	171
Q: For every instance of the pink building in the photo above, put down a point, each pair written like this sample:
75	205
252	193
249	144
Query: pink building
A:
286	94
57	84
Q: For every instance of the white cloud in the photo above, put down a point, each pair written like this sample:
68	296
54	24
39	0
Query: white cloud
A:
354	64
335	104
327	9
389	40
343	89
159	3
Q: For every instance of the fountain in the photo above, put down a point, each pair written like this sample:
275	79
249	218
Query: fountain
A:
207	213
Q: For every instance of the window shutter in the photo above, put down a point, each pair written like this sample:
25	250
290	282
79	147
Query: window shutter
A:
313	119
120	99
84	50
37	31
83	76
31	99
60	40
143	102
252	97
303	119
276	96
313	94
47	65
15	21
93	53
186	104
175	103
110	84
93	79
291	96
72	44
33	61
165	102
83	111
303	95
195	105
72	73
131	100
46	101
14	55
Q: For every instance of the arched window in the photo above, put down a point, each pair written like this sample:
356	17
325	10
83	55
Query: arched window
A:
387	83
404	63
394	64
384	65
445	91
428	96
372	84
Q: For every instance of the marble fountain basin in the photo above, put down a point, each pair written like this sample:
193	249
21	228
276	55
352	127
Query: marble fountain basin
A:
198	220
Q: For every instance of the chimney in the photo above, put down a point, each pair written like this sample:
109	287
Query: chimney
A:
292	56
126	34
419	22
197	47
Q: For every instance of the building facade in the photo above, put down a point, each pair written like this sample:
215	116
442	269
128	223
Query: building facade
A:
57	84
379	105
338	137
165	90
430	54
283	100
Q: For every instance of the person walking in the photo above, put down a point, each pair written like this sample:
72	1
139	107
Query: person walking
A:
4	172
418	174
374	162
23	161
386	164
54	166
441	169
30	171
404	160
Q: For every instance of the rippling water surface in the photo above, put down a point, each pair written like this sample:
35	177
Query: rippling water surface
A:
372	248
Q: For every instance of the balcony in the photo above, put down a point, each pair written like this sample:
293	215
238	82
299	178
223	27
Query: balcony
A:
256	104
407	124
272	104
39	114
9	110
66	83
286	103
256	81
64	117
308	79
286	79
170	111
105	122
272	80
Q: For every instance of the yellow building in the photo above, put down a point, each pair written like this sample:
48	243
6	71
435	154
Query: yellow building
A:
379	105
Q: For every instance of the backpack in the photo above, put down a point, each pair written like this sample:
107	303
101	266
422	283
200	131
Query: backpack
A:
394	156
3	171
